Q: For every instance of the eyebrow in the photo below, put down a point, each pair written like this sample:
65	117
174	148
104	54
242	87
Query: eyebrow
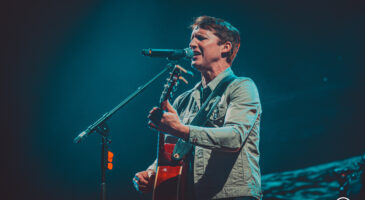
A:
199	34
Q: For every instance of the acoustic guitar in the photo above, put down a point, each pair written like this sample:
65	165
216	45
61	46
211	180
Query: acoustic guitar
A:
171	176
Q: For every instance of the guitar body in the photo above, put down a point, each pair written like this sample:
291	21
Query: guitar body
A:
170	181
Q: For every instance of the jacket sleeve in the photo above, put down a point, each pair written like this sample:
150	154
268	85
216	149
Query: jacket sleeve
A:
242	113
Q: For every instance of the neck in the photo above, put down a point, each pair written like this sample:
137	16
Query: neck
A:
212	72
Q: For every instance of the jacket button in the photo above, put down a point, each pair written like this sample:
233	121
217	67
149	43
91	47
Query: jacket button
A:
200	154
176	155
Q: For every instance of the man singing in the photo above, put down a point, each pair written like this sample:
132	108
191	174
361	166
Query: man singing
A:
224	160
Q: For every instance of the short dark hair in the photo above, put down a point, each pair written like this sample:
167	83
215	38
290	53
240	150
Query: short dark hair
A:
223	30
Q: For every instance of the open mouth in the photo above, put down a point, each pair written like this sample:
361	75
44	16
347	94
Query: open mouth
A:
196	53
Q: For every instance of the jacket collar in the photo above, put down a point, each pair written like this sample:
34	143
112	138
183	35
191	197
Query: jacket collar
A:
213	83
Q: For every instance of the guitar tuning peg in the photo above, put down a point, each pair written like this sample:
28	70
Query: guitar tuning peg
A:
184	70
183	79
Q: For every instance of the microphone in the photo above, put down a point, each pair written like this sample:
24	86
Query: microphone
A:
171	54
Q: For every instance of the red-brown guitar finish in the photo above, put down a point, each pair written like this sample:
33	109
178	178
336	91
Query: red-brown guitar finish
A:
170	181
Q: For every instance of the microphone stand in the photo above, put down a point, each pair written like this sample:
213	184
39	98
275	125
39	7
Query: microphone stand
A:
101	127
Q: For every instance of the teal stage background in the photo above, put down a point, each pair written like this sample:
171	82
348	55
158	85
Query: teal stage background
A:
65	63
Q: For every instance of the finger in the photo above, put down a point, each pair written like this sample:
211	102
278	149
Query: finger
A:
136	186
153	109
163	104
141	180
150	173
145	175
136	177
169	107
152	125
151	112
137	181
143	187
140	186
156	116
146	187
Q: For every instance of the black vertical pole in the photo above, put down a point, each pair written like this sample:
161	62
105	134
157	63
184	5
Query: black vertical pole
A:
104	132
104	151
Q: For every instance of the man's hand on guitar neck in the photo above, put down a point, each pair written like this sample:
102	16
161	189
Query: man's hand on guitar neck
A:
143	181
166	120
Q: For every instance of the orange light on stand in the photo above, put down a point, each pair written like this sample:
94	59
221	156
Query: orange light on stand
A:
110	156
110	166
110	160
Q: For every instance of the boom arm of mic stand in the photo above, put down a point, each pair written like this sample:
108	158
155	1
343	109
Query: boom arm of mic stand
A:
107	115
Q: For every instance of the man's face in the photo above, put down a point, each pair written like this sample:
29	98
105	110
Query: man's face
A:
206	49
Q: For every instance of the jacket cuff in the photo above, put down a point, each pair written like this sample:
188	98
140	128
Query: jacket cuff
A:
152	166
194	135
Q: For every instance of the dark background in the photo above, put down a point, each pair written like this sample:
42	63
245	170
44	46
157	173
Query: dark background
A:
65	63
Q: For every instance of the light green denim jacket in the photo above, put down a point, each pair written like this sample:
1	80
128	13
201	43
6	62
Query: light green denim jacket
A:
226	153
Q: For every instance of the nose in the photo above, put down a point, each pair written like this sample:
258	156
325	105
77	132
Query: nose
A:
193	44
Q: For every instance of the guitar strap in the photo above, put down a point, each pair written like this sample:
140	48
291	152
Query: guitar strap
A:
183	147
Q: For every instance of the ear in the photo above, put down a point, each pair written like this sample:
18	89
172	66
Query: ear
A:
227	47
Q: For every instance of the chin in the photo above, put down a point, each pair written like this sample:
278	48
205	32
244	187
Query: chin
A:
195	66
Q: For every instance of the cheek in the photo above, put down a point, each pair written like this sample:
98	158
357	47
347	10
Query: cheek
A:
213	49
212	53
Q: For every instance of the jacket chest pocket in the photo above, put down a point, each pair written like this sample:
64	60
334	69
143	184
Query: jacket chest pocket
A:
216	119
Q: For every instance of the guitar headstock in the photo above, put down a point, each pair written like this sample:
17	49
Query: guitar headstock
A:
171	85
